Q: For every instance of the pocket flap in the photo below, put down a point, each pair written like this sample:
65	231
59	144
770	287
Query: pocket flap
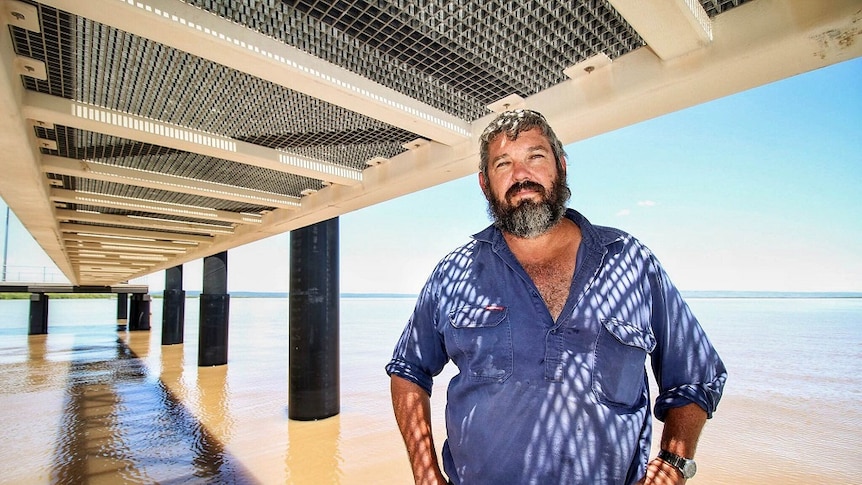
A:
628	334
478	317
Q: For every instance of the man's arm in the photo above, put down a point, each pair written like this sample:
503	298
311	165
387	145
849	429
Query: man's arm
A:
412	407
682	429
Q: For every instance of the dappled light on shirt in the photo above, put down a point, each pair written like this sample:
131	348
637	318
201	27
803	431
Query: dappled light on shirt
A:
565	401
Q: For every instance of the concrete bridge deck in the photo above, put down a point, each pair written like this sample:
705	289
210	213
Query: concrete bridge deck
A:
21	287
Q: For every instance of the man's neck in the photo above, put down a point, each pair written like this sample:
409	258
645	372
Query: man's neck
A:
546	246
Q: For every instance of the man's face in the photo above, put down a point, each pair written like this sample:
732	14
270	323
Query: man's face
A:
526	193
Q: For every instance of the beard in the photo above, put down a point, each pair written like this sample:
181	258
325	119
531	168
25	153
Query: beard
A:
530	219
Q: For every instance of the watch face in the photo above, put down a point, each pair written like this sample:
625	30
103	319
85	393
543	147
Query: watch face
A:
689	468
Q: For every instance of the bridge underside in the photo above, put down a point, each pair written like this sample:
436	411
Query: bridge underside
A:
138	135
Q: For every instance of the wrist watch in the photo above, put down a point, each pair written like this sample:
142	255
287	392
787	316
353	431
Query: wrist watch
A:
687	467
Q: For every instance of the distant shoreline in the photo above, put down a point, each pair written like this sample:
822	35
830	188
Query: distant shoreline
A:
771	294
701	294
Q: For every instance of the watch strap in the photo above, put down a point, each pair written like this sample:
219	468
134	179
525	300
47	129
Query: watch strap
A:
685	466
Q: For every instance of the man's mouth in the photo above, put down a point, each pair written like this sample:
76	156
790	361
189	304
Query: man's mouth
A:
526	187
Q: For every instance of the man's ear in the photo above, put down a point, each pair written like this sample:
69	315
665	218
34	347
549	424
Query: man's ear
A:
483	182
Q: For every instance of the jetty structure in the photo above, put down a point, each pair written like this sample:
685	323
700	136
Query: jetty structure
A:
139	135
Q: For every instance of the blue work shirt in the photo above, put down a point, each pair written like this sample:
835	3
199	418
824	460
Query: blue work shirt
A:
538	401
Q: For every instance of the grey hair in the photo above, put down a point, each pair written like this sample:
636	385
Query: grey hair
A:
513	123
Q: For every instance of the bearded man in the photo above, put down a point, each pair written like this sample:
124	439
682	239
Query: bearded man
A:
550	321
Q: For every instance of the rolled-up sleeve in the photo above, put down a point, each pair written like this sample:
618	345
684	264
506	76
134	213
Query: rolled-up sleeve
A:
420	353
686	366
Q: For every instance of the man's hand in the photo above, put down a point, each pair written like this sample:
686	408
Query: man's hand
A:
682	428
413	413
660	472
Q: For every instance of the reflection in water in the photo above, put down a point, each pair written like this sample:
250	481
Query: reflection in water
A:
36	348
120	425
320	463
215	416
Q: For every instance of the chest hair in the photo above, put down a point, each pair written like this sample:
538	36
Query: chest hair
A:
553	279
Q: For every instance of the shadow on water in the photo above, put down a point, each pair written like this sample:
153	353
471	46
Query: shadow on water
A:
121	425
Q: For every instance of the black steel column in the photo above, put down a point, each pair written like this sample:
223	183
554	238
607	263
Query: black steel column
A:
38	314
313	377
173	307
139	312
122	310
215	305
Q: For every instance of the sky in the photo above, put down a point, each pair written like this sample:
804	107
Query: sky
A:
758	191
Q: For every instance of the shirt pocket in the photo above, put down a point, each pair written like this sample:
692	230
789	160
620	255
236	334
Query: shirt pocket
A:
484	337
619	377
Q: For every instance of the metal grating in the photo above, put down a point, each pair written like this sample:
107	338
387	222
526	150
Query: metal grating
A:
48	47
85	145
457	56
155	231
715	7
175	87
161	217
188	91
144	193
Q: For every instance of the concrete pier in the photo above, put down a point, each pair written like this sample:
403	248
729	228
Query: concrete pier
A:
313	383
174	310
38	314
214	312
122	311
139	312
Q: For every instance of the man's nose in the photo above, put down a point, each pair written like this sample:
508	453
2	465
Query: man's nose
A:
520	171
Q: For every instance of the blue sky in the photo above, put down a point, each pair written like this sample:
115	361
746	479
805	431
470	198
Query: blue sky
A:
756	191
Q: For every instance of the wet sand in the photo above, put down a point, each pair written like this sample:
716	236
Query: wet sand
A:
89	404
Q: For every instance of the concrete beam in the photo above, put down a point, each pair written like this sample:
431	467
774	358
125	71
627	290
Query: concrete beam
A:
670	28
89	169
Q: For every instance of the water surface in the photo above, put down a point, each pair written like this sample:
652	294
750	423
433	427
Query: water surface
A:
87	403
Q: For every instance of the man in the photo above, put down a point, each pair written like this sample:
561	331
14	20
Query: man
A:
550	321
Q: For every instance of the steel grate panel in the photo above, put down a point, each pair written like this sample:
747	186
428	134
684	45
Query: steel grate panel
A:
85	145
155	195
131	74
333	147
47	47
454	55
188	91
458	53
446	53
716	7
163	217
450	54
118	226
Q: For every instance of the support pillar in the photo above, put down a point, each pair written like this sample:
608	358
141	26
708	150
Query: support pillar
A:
215	306
38	314
173	307
122	310
313	377
139	312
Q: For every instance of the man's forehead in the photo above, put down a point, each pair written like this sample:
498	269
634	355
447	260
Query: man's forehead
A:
533	138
